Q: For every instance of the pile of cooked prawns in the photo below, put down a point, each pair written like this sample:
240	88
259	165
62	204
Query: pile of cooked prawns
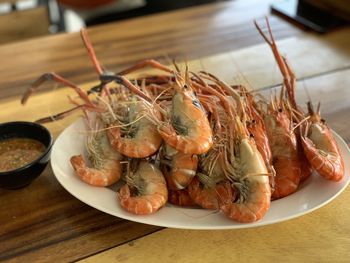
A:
190	139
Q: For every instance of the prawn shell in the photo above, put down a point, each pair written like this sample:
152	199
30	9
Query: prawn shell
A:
288	175
152	192
306	169
141	147
197	145
204	197
189	131
183	169
181	198
285	156
106	176
252	193
248	211
330	166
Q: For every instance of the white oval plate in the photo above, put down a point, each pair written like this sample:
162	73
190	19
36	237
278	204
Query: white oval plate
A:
311	195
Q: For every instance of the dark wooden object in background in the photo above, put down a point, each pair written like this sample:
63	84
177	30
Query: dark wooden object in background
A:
24	24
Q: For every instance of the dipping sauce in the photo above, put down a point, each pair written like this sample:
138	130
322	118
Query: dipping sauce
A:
18	152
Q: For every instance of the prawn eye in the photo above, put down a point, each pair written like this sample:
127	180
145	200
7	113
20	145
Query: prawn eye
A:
185	87
196	103
280	110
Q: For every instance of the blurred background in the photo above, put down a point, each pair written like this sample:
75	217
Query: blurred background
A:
22	19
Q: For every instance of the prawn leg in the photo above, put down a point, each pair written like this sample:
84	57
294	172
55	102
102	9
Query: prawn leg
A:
58	116
51	76
146	63
110	77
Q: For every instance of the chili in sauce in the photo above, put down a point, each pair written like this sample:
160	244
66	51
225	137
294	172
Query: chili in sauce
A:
18	152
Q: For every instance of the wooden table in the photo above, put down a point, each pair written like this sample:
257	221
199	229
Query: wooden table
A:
43	222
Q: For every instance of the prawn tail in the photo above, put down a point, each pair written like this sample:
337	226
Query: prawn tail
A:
248	211
328	166
183	170
137	205
93	176
130	148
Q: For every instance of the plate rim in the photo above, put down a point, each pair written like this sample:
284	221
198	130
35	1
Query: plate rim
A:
235	225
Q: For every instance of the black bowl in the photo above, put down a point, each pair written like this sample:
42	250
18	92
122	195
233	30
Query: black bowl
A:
24	175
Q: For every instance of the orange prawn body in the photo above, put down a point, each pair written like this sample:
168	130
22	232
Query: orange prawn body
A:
285	157
181	198
209	175
203	196
258	130
190	131
108	175
306	169
178	168
141	143
253	208
145	192
105	161
247	197
289	81
139	146
321	149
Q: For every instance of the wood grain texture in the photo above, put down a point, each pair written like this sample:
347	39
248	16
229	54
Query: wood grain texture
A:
9	1
321	236
210	29
24	24
253	66
43	220
317	237
44	223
